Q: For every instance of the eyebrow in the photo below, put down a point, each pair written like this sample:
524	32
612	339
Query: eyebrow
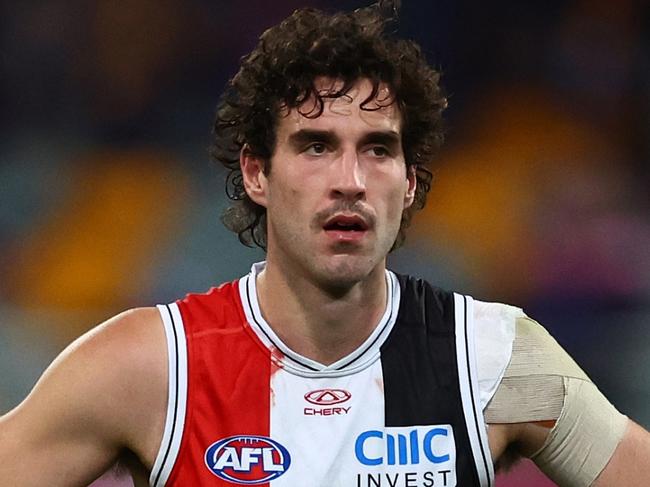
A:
389	138
302	137
305	136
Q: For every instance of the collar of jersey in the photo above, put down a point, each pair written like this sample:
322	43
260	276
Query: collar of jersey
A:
297	364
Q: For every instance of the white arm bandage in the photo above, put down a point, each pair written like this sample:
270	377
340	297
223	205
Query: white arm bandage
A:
542	382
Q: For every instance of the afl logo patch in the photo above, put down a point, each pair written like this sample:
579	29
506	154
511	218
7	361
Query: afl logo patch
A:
327	397
247	460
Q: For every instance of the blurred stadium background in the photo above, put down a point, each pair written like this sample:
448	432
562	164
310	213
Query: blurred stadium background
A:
108	199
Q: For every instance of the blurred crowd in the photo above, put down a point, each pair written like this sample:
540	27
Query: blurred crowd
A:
108	199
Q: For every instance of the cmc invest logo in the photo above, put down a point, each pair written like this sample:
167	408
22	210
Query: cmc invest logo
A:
327	397
247	460
406	446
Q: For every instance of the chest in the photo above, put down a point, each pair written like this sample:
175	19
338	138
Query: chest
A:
327	431
337	434
400	412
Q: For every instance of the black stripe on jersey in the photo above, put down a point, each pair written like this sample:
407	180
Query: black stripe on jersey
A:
471	392
176	393
420	369
250	306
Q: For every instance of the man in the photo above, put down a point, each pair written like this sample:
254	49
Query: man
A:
320	367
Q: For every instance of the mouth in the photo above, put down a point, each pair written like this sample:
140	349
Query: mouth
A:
346	227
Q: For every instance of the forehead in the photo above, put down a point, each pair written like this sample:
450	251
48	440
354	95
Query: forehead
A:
350	112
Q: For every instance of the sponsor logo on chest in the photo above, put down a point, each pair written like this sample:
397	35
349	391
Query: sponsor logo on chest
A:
417	456
413	456
327	402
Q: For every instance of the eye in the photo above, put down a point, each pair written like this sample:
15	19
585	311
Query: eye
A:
379	151
316	149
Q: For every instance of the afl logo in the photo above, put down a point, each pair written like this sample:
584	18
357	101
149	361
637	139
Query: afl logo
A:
247	460
327	397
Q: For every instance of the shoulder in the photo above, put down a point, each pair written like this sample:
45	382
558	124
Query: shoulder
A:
510	343
130	342
494	329
217	305
492	326
487	316
113	377
125	362
106	392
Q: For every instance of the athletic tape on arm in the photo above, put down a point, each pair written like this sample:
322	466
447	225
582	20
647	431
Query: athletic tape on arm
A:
542	382
584	437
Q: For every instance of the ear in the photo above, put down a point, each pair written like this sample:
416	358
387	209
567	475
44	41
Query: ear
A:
411	186
255	181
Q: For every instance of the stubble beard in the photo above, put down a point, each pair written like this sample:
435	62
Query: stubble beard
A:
334	271
299	252
342	272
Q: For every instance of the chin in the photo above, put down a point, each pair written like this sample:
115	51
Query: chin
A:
344	271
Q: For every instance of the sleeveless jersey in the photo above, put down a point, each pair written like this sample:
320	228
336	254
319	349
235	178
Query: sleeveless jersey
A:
403	410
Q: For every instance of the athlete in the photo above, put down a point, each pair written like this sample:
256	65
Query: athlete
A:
321	367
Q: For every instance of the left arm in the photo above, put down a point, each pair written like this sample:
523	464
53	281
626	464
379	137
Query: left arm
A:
630	464
547	409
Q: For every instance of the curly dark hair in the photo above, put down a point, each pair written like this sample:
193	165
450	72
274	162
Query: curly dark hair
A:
279	74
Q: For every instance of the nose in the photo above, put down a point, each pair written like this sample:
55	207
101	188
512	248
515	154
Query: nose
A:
348	178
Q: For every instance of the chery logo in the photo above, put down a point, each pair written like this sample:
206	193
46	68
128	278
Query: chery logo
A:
327	397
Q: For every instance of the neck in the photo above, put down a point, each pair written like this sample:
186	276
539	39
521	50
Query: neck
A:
319	323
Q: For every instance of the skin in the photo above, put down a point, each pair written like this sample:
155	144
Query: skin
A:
105	398
318	289
91	407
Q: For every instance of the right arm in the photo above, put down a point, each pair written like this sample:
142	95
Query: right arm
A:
106	393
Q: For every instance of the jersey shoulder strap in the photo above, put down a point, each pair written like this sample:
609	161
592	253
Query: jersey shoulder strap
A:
430	376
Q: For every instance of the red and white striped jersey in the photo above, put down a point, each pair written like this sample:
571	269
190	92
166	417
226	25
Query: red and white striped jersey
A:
404	409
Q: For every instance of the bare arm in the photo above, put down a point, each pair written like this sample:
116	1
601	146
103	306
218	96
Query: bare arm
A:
102	395
630	465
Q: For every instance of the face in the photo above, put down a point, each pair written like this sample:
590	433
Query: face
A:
337	187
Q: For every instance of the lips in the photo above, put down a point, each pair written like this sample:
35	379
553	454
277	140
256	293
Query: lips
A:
346	223
346	229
